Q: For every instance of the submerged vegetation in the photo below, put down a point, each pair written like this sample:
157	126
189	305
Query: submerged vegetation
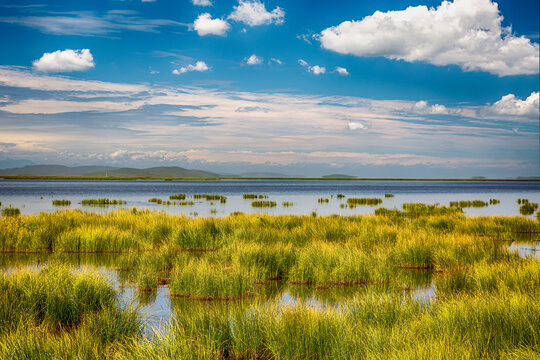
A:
486	301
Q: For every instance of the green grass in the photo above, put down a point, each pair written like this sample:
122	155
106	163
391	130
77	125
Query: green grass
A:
215	197
61	202
287	204
323	200
388	195
528	208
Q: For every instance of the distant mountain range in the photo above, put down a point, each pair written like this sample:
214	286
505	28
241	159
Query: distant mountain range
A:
100	171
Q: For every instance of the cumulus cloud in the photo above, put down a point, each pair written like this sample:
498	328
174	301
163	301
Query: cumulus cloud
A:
342	71
254	13
354	125
201	2
511	105
467	33
253	60
65	61
422	107
199	66
316	69
205	25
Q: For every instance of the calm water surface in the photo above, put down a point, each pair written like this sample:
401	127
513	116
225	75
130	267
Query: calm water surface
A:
34	196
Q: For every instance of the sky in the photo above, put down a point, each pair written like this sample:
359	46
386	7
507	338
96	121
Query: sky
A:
307	88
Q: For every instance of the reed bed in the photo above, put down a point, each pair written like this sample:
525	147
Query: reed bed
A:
388	195
323	200
287	204
61	202
528	208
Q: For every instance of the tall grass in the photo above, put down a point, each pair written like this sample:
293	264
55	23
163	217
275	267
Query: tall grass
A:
260	204
61	202
10	211
364	201
102	202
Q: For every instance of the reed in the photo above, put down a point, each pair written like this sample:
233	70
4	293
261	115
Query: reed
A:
494	201
323	200
340	196
287	204
528	208
469	203
155	200
388	195
61	202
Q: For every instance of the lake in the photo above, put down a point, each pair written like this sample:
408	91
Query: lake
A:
34	196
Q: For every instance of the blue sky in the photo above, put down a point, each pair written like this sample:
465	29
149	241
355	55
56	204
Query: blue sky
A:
387	88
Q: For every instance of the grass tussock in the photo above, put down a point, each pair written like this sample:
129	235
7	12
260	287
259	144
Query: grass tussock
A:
61	202
10	211
263	204
364	201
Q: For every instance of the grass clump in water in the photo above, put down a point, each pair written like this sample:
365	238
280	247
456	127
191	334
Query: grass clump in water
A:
527	208
156	200
494	201
10	211
364	201
287	204
388	195
178	196
61	202
323	200
263	204
254	196
214	197
102	202
201	280
468	203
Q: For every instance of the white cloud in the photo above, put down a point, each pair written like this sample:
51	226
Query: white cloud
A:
277	61
254	13
201	2
205	25
65	61
199	66
421	107
342	71
353	125
316	69
510	105
253	60
467	33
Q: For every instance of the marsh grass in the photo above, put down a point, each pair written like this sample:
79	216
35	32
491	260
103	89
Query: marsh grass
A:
287	204
388	195
61	202
323	200
487	302
528	208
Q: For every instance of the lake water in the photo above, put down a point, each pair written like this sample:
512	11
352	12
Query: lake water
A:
34	196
